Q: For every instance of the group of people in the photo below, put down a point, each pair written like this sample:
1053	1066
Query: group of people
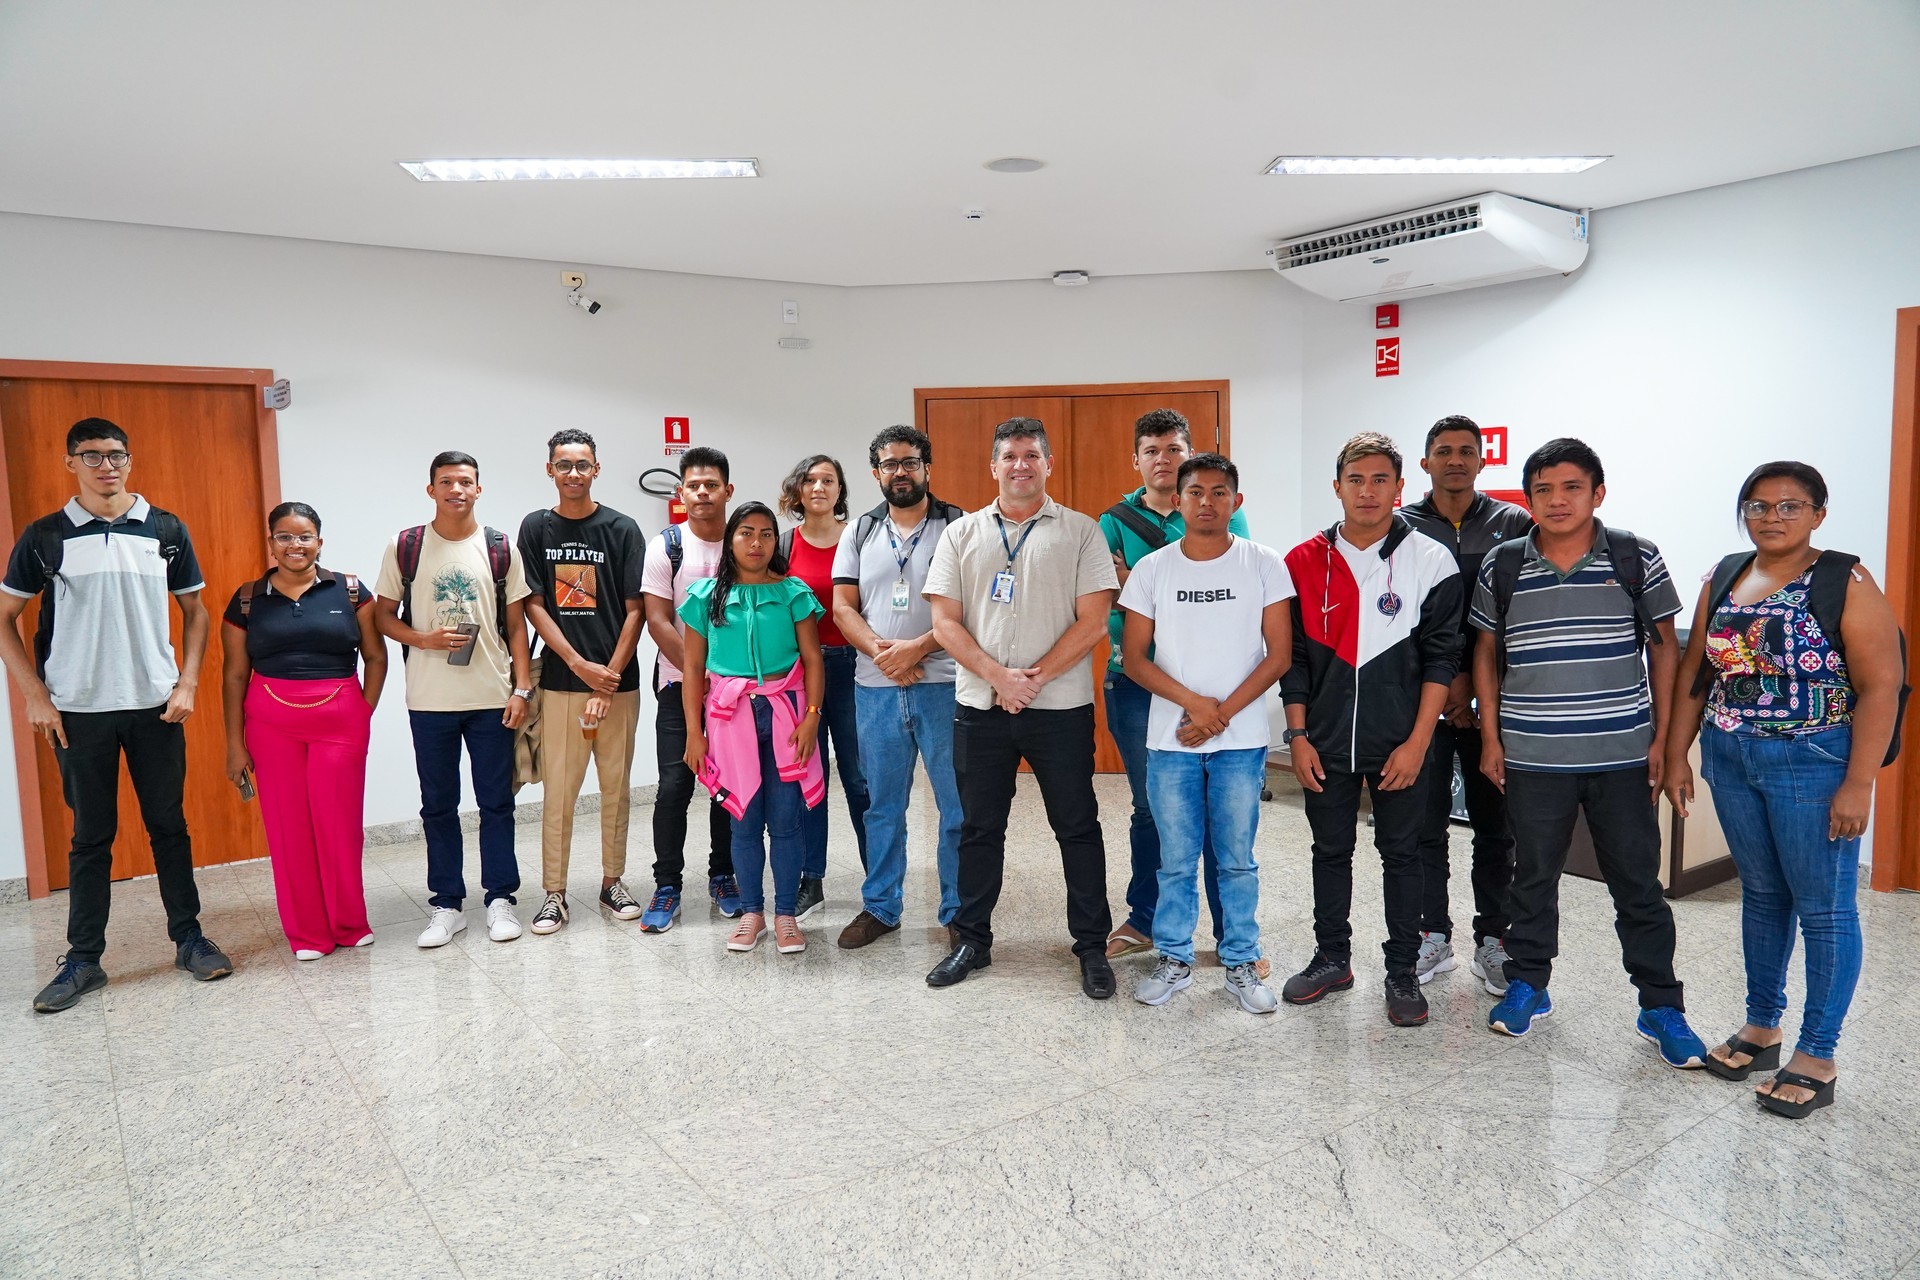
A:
1534	645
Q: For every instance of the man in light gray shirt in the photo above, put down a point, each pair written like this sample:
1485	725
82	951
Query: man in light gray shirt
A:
1020	594
903	683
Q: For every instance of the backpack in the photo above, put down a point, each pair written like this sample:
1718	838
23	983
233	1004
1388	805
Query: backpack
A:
869	523
258	587
49	548
499	560
1827	601
1146	530
1629	570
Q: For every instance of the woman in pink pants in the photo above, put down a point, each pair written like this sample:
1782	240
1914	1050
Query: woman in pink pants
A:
297	720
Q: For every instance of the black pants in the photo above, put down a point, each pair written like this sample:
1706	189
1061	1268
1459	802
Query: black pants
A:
1333	813
1492	838
675	793
987	749
1626	842
90	777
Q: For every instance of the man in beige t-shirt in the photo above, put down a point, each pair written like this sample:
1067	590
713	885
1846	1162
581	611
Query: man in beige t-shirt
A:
441	591
1020	592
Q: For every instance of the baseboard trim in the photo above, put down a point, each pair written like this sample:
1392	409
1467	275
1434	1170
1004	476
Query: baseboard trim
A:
408	830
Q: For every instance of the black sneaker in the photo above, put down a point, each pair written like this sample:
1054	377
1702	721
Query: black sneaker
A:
1406	1006
199	957
1321	976
71	980
813	896
621	904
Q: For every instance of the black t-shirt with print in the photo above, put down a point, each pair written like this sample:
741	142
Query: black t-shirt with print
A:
584	571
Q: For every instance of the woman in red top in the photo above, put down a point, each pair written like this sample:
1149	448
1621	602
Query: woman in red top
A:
815	494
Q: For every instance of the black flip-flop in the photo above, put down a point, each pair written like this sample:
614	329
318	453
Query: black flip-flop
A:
1758	1059
1822	1095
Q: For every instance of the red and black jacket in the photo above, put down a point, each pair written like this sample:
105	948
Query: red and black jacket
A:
1357	668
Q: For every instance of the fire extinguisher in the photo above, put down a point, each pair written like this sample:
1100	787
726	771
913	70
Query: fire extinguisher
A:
659	482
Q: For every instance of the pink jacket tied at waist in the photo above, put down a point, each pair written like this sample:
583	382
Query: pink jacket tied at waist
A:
731	773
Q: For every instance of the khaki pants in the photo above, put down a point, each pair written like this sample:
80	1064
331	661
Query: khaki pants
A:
564	752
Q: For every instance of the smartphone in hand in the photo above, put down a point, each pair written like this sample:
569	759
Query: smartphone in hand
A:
464	654
246	784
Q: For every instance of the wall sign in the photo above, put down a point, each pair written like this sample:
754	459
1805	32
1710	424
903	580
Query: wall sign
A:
1386	357
1493	446
679	431
1386	316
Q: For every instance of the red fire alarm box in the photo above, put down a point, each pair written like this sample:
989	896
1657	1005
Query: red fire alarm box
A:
1386	316
676	512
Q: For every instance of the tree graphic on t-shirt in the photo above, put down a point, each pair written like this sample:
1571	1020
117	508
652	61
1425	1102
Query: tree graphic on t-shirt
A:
456	597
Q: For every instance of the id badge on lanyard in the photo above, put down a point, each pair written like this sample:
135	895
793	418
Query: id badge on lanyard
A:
1003	588
901	598
1003	581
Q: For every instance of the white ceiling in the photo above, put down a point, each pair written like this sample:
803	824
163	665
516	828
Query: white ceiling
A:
872	119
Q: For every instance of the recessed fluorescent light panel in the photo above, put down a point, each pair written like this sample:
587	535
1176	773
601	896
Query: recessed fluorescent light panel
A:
574	170
1292	165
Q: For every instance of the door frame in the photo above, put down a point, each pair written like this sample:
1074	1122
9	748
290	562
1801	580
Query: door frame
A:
1896	827
26	758
1218	386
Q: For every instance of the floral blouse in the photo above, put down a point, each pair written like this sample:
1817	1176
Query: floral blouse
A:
1777	672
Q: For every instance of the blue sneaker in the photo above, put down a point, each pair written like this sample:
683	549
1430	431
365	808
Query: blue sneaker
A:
1524	1006
726	895
658	917
1668	1029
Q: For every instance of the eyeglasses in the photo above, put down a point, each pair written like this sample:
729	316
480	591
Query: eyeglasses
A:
93	459
1791	509
896	466
295	539
582	467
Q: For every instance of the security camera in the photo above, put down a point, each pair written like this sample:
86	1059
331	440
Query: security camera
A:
585	303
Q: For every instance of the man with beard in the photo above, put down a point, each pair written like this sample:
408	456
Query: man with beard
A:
904	682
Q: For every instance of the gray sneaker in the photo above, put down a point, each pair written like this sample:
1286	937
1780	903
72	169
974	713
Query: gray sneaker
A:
1245	985
1490	965
71	980
1436	957
1167	977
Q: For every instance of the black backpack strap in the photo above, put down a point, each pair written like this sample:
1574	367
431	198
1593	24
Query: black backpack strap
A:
500	561
786	545
406	555
1630	571
1719	587
676	551
1507	559
1146	530
1827	599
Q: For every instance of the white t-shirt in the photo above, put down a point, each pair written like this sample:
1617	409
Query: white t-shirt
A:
1206	631
455	585
1363	562
698	559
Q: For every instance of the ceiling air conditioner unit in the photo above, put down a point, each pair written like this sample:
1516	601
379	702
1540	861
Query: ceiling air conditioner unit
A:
1485	239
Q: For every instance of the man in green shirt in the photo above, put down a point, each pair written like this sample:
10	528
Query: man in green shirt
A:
1137	525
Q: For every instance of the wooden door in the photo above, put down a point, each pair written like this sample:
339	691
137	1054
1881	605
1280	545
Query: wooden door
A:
1896	821
1090	429
202	450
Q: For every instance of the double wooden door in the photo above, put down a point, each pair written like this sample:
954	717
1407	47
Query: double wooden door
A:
1090	429
203	448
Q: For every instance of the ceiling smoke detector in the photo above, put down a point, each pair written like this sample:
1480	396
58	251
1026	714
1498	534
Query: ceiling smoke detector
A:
1014	164
1070	279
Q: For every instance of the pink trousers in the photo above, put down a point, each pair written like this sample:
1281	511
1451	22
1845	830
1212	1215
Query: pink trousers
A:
310	768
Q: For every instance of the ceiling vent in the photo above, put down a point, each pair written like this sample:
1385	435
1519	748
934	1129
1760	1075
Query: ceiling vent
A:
1484	239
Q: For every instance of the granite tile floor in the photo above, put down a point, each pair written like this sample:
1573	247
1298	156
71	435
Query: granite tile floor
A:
600	1102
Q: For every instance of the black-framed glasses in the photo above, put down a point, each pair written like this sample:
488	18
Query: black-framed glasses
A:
898	466
117	458
295	539
1790	509
581	467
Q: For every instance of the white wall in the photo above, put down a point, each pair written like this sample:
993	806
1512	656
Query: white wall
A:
395	354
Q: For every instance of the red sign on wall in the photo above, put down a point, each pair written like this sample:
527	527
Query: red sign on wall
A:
1386	316
1386	357
1493	446
679	431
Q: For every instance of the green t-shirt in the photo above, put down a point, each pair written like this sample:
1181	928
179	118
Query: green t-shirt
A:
757	638
1132	548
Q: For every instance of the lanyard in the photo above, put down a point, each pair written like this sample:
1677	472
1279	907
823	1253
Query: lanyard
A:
893	541
1013	549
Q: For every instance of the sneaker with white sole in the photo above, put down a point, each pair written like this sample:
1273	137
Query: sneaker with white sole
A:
1490	965
442	926
620	904
787	936
1243	983
552	914
812	896
306	954
503	922
747	934
1436	957
365	942
1168	977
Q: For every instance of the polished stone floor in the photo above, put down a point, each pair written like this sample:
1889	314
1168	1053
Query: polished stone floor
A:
600	1102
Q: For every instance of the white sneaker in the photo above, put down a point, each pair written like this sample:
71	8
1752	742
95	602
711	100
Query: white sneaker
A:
440	929
365	942
502	924
304	954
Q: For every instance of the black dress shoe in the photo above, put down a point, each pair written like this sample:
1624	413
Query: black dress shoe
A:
1096	976
963	960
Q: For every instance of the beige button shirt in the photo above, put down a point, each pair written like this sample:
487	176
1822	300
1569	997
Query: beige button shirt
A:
1064	558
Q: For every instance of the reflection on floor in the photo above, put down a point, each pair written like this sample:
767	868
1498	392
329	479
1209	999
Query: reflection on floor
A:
601	1102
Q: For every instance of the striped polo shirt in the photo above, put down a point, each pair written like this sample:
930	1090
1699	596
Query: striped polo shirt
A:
103	642
1575	696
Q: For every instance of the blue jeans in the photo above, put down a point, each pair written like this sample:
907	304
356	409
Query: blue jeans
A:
437	736
895	723
1772	793
1127	706
839	722
1207	799
779	810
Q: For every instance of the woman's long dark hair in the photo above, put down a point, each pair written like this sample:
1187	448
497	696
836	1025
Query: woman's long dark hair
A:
723	580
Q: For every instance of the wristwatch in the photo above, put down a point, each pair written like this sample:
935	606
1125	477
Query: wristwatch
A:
524	693
1286	739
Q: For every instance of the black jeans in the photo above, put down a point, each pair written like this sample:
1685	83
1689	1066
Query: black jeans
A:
1333	813
1492	839
987	749
673	796
90	777
1626	842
